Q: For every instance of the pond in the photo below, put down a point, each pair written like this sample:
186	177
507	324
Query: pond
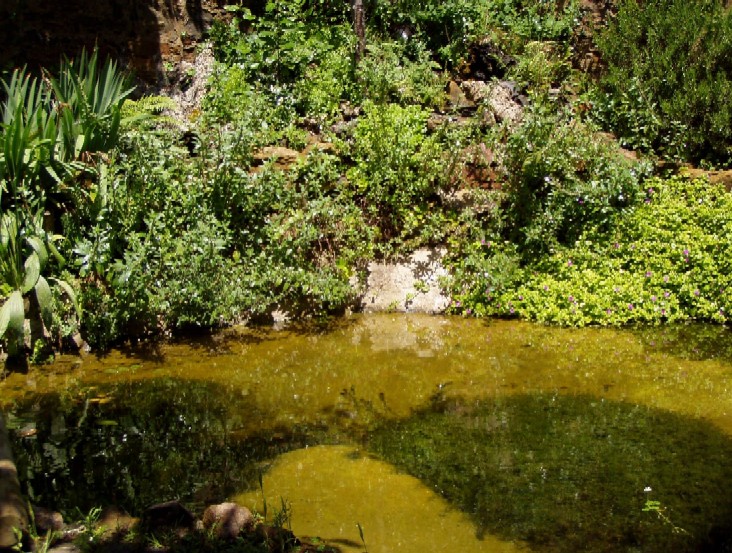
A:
405	433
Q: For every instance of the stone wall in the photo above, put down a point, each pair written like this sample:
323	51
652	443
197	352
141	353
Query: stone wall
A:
141	34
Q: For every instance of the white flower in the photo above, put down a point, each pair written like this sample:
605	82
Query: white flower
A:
647	489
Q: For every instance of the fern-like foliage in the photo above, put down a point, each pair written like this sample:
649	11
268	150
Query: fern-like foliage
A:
148	112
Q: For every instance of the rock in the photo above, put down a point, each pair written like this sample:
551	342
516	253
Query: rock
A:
485	61
47	520
196	74
715	177
283	157
277	539
170	515
409	285
65	548
13	512
456	97
115	520
227	520
143	35
501	98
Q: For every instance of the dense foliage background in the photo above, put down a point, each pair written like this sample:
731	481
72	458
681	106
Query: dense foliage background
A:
120	221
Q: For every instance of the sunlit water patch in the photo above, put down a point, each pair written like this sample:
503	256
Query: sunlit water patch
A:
537	413
341	494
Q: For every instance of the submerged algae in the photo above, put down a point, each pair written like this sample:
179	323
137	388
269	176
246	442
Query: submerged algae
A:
202	419
572	473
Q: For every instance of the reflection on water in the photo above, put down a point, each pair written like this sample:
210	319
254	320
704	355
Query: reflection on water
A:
562	472
131	445
540	436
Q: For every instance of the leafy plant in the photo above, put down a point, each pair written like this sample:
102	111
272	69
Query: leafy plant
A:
50	136
24	254
447	28
29	161
668	78
536	19
562	177
664	261
396	166
387	74
90	98
541	66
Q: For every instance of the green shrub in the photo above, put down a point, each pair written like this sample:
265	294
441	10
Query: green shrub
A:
277	46
185	240
265	115
326	84
669	78
52	136
388	74
561	177
667	260
532	20
447	28
91	95
540	66
397	166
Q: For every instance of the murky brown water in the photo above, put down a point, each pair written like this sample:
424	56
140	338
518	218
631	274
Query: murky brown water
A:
316	394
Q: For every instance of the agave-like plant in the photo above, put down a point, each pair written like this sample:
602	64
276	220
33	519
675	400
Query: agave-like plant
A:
28	136
90	97
50	131
24	252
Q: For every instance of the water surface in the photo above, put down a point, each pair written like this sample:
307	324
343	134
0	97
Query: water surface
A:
431	433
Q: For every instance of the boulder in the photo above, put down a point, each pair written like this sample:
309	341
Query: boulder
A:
485	61
410	284
501	98
227	520
47	520
13	512
277	539
170	515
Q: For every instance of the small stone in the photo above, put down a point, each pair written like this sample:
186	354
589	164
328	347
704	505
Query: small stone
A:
170	515
47	520
227	520
65	548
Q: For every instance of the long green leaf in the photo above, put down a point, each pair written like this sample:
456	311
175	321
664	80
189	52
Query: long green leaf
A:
45	300
69	292
32	267
12	314
39	247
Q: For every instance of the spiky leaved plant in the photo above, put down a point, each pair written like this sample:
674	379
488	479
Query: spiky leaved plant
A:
89	97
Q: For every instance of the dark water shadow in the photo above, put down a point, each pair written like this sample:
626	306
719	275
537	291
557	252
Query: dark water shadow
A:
135	444
697	342
573	473
213	342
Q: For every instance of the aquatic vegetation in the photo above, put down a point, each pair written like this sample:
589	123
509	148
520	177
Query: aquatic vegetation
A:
568	473
133	444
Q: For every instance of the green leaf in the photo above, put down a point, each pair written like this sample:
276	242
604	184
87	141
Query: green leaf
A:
12	314
56	254
69	291
38	246
45	299
32	273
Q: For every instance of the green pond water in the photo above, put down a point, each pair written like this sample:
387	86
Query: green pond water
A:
430	433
